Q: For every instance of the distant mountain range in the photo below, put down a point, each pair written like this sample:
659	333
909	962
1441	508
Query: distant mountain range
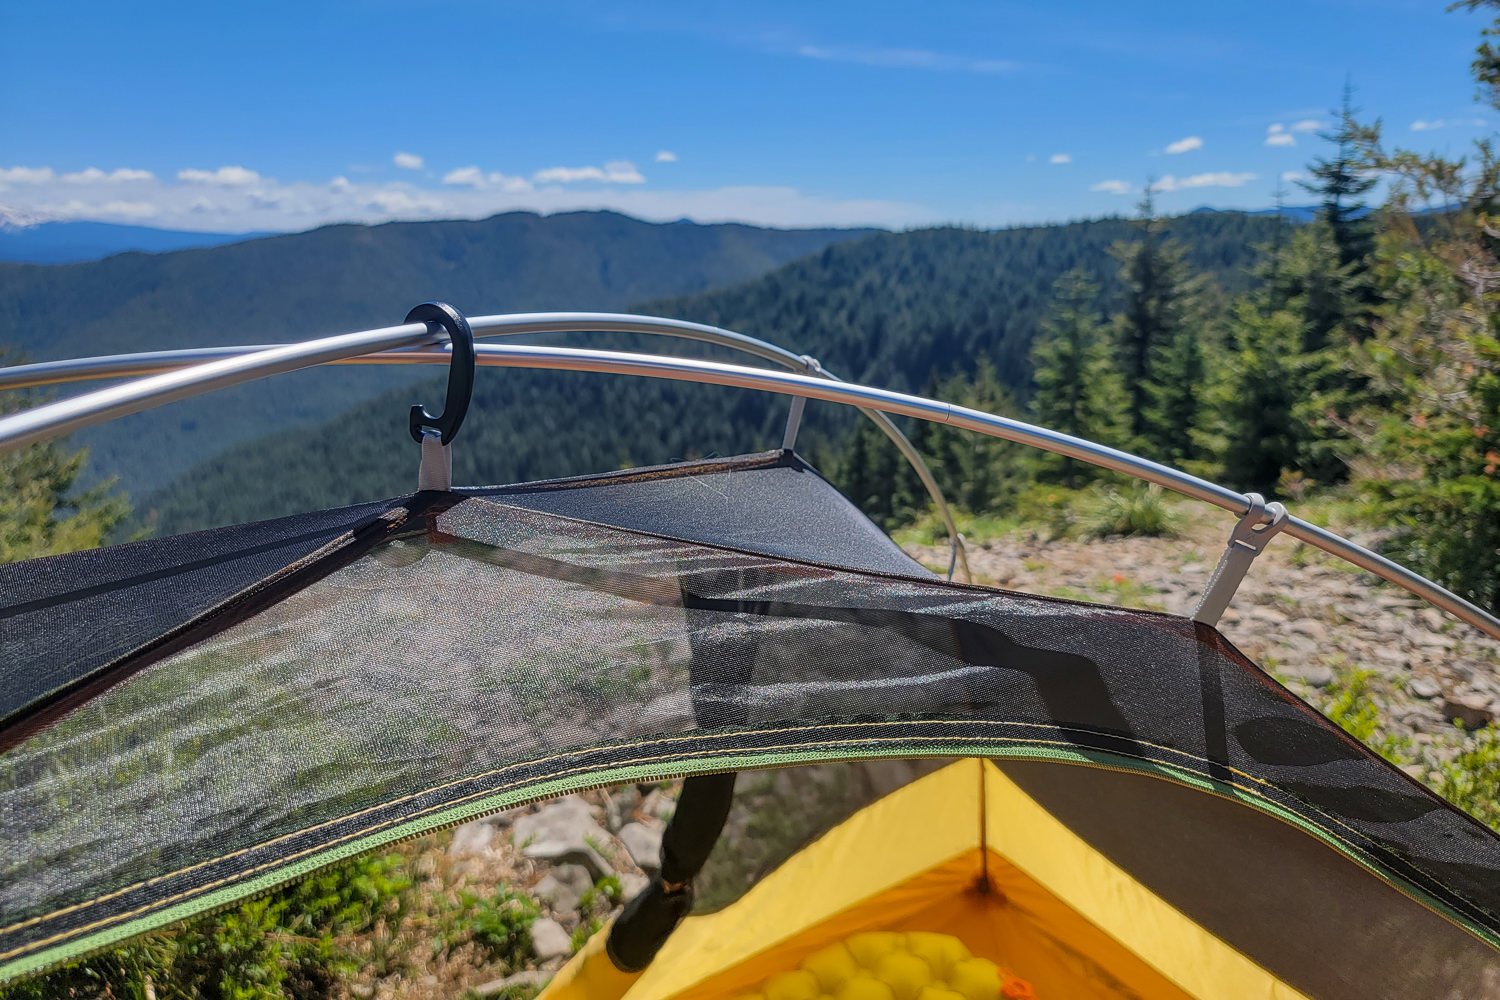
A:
72	242
899	310
341	278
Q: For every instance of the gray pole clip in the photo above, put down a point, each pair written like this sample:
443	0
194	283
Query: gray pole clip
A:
1256	527
436	470
799	403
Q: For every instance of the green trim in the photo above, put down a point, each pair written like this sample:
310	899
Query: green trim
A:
221	898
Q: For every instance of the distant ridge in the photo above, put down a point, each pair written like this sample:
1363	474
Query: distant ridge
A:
350	277
75	242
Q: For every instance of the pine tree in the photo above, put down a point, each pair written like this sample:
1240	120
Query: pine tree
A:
1340	181
1077	388
1159	296
1178	371
44	513
1261	435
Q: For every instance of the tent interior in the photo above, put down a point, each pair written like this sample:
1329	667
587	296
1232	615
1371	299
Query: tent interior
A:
1114	803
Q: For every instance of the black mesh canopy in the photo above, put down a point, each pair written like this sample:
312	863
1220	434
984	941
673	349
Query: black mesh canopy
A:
193	719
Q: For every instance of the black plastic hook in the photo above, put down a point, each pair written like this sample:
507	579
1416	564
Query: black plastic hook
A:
460	370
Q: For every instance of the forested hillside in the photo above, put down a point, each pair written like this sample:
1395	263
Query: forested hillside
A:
342	278
897	310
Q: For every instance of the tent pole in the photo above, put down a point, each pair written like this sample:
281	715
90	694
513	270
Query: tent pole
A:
515	325
54	419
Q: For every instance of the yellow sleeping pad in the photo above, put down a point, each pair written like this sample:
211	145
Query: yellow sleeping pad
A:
883	965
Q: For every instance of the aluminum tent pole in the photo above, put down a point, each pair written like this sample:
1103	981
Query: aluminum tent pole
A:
93	408
515	325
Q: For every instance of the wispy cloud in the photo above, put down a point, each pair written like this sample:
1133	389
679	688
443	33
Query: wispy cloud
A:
1186	145
26	175
614	172
1429	124
1220	178
223	177
1291	176
477	179
1057	159
1277	135
1111	187
408	161
665	156
93	175
1305	125
238	199
899	58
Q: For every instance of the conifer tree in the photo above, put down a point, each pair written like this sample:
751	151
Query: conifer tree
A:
1159	296
1261	434
1078	390
44	513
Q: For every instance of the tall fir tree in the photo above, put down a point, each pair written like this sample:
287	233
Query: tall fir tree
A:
1260	432
45	513
1159	297
1341	180
1077	389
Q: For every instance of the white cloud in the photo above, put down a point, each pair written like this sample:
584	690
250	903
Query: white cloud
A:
408	161
25	175
665	156
1059	158
1221	178
894	58
1111	187
1291	176
93	175
1186	145
614	172
1306	125
477	179
223	177
1427	125
1277	135
210	201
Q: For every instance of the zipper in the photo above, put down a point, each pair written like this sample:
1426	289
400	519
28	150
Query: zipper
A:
225	898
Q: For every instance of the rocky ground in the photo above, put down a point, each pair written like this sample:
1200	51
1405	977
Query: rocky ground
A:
1310	619
1305	616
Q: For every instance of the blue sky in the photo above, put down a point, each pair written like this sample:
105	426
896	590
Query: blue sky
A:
289	115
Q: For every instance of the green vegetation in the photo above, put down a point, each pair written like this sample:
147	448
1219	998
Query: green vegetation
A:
499	924
1462	766
910	311
45	513
341	278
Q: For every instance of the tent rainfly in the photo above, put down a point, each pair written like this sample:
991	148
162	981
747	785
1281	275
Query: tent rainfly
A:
1116	803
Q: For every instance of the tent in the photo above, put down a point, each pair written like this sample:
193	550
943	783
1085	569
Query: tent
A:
1133	808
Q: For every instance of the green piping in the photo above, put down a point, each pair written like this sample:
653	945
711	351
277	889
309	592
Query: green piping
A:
228	895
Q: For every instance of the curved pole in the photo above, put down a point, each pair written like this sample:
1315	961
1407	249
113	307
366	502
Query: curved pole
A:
54	419
515	325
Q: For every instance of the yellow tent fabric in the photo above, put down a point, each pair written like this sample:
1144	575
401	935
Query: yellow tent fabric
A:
963	851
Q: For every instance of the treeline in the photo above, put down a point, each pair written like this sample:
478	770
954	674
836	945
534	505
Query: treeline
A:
900	310
1364	355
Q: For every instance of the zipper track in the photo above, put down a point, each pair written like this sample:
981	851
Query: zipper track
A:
227	897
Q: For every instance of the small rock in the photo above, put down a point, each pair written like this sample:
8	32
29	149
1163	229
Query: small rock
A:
1472	710
632	885
498	987
659	804
563	831
1425	687
1310	627
471	839
563	887
620	805
1314	674
644	845
549	940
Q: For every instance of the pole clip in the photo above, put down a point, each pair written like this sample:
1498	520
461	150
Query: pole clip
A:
810	366
441	318
1257	526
